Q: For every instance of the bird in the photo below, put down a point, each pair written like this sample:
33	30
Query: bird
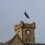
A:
26	15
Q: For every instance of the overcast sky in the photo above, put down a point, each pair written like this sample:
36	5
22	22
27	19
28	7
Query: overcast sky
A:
12	12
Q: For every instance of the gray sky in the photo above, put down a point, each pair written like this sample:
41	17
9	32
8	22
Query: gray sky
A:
12	12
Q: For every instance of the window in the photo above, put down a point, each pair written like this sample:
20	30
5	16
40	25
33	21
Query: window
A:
27	40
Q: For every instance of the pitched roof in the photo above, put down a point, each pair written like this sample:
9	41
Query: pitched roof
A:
14	38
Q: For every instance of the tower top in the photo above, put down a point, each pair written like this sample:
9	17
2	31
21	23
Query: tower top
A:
23	25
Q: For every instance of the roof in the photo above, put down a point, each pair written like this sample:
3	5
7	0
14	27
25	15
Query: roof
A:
14	38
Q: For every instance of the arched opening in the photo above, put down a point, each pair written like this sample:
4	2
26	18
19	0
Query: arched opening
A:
27	40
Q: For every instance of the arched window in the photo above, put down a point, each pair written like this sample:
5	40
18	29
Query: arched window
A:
27	40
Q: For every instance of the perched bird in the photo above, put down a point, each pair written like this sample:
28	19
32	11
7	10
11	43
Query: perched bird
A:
26	15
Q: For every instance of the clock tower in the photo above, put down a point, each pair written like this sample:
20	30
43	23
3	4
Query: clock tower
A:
26	31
